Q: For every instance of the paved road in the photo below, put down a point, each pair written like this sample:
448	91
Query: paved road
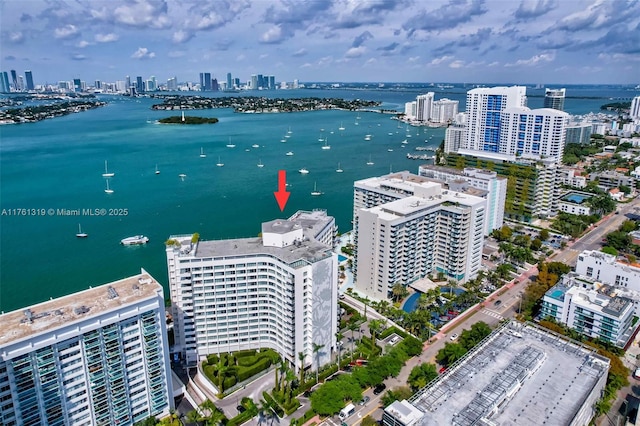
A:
592	240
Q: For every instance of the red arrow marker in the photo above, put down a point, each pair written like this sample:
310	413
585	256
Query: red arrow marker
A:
282	196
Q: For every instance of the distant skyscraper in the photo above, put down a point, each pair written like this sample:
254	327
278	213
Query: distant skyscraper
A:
554	98
29	77
6	88
229	81
205	81
152	86
172	84
236	82
634	112
272	82
261	84
214	85
98	84
127	82
139	84
14	79
254	82
424	104
77	85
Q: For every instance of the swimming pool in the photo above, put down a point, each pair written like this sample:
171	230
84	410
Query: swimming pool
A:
411	303
576	198
341	258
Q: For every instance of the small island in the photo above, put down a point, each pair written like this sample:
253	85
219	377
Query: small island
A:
31	114
256	105
177	119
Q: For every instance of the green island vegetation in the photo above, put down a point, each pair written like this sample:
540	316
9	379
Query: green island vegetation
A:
255	104
32	114
616	106
227	369
177	119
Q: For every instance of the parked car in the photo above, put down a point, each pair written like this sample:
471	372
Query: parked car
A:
241	409
454	336
379	389
364	400
497	303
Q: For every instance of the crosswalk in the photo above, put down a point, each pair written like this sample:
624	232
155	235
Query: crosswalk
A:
491	313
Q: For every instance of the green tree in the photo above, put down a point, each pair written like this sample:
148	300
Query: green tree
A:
301	358
396	394
421	375
412	346
267	413
609	250
399	291
352	326
450	353
316	350
194	416
375	325
544	234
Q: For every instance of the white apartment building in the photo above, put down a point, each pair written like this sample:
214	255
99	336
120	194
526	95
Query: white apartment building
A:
443	110
434	231
575	303
97	357
456	134
569	176
484	108
278	290
538	133
608	269
489	181
424	105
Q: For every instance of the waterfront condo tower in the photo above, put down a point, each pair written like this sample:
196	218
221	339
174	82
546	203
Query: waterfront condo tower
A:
97	357
278	290
407	227
554	98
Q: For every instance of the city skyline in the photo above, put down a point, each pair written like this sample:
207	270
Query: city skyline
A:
535	41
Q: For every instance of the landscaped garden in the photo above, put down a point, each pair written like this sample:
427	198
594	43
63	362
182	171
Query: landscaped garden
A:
227	369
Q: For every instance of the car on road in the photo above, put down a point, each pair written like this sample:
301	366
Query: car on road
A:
364	400
497	303
341	296
454	336
241	409
379	389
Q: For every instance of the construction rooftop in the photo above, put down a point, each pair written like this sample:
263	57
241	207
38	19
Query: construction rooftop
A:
55	313
519	375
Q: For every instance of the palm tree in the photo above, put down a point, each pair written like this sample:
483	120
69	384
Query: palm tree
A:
215	418
383	306
194	416
339	337
301	358
289	376
375	325
353	327
266	414
316	350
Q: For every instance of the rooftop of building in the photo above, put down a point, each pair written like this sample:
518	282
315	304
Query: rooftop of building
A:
528	375
466	172
597	299
308	249
403	181
55	313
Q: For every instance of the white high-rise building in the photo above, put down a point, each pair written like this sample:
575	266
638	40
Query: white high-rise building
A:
486	180
484	109
97	357
424	105
278	290
634	112
456	134
443	110
407	227
410	110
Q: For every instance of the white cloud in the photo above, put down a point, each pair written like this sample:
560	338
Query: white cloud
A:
534	60
272	35
413	58
441	59
66	32
355	52
371	61
143	14
143	53
240	57
300	52
106	38
182	36
456	64
16	37
83	43
306	65
264	56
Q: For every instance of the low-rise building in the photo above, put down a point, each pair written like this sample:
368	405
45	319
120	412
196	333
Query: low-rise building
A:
571	177
608	269
591	312
611	179
520	375
575	202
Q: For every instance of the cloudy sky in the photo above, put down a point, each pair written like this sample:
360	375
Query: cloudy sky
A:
487	41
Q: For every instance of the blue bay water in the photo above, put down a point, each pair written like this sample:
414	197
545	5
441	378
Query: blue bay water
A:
57	164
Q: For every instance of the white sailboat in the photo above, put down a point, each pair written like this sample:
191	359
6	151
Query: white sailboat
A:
255	145
202	154
219	163
81	234
339	169
157	171
370	163
260	164
108	190
341	126
303	171
231	145
325	146
367	137
315	191
289	153
106	171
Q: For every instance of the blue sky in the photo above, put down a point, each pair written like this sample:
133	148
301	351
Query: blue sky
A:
485	41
